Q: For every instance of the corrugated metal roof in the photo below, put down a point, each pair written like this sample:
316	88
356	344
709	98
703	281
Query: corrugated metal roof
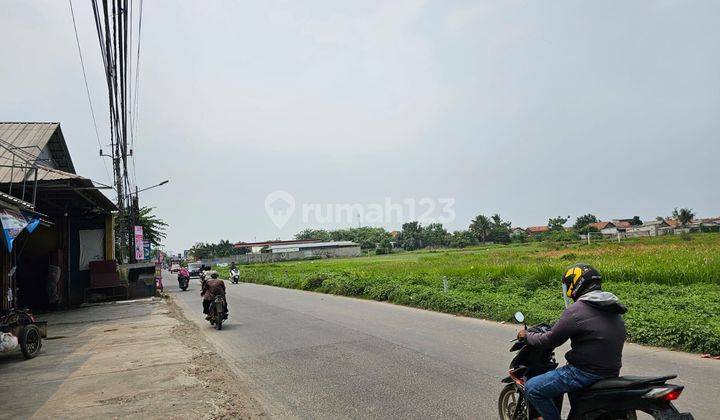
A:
314	245
26	141
16	201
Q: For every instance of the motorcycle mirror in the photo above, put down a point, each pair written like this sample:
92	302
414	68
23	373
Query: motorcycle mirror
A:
519	317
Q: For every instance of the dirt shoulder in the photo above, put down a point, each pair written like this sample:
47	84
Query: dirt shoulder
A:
139	359
229	397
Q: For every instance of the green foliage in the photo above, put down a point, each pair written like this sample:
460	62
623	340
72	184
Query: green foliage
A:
153	227
499	230
463	239
683	215
582	221
224	248
671	286
557	223
410	237
320	234
481	227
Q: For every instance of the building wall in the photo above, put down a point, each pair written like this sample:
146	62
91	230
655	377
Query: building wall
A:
79	280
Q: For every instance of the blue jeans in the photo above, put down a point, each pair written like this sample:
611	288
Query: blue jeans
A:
540	390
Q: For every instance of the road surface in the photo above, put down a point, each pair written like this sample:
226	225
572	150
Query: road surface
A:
310	355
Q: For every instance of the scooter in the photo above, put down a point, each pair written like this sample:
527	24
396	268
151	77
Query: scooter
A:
183	282
235	275
608	399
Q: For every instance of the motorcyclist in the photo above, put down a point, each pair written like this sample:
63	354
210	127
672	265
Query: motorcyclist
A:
183	274
234	271
596	330
212	288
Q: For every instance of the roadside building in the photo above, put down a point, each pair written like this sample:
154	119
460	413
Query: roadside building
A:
320	249
650	228
260	247
50	266
537	230
622	225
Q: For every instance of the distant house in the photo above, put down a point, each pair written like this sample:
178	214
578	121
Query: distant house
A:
258	247
651	228
324	249
537	230
605	228
517	231
622	225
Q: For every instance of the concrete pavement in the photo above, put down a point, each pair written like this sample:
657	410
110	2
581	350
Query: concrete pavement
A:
309	355
123	360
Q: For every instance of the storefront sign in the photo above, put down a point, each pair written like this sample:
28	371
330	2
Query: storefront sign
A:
139	247
13	224
146	250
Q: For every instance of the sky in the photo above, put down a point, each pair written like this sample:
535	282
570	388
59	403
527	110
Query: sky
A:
360	110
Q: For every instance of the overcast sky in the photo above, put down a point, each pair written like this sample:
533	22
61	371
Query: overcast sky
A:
528	109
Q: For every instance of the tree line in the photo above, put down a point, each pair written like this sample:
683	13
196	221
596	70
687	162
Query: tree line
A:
414	235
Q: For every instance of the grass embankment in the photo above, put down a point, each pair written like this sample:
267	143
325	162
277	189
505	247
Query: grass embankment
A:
671	286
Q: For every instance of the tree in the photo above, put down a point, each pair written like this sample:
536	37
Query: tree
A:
434	234
153	227
583	221
319	234
557	223
462	239
499	230
384	247
480	227
410	237
636	221
683	215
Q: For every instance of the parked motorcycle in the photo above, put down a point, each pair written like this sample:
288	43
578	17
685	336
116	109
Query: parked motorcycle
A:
217	312
609	399
235	275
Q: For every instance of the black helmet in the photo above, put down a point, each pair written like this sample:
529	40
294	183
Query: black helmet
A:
580	279
214	275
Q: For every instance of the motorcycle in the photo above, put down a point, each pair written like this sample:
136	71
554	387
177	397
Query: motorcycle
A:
608	399
183	282
217	312
235	276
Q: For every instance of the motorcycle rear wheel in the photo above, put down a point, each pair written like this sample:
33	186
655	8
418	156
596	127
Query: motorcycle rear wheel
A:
508	402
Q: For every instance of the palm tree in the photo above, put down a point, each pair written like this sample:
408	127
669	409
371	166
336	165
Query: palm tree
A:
684	215
481	226
153	227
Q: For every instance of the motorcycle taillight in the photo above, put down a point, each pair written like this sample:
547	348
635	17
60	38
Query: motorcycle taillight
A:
668	393
672	395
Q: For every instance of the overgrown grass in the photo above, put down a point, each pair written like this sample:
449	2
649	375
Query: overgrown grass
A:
671	286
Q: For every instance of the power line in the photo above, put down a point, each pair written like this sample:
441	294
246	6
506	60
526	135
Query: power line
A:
87	89
134	104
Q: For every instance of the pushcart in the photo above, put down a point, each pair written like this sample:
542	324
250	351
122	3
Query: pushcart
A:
29	331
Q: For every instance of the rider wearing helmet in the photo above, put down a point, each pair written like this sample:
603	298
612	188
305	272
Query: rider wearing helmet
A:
596	330
210	288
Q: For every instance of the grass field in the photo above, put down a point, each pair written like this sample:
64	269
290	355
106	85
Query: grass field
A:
671	285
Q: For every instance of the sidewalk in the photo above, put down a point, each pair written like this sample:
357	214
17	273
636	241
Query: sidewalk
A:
139	359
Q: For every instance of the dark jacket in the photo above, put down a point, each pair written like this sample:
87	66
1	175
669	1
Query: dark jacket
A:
212	288
596	331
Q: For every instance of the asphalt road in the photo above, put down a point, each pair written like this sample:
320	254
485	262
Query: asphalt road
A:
309	355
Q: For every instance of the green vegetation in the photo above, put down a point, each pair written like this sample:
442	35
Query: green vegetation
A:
671	286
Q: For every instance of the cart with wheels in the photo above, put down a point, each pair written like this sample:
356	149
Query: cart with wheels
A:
29	332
